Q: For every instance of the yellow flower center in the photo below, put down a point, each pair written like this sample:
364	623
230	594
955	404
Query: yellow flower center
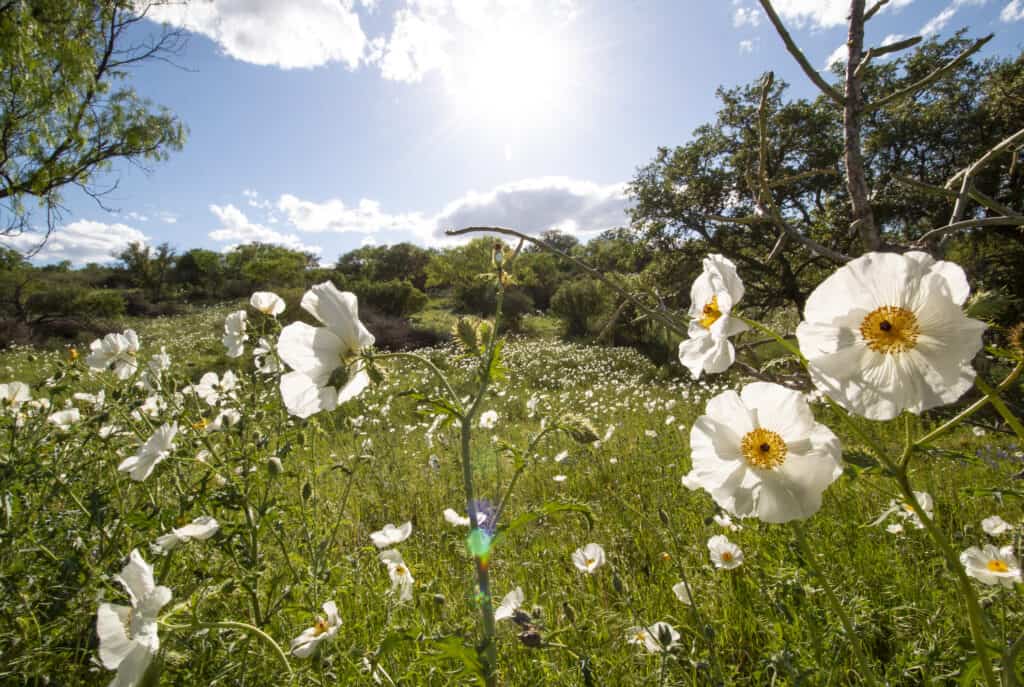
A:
763	449
890	329
589	562
997	566
73	354
320	627
201	424
726	556
711	313
400	570
640	636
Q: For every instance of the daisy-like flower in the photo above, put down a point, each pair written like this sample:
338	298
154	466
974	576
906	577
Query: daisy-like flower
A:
156	448
398	571
992	565
318	354
117	352
390	535
200	529
323	629
760	453
64	419
234	333
995	526
683	593
712	297
589	558
906	512
509	605
723	520
488	419
724	554
128	634
224	419
215	390
657	638
886	333
13	394
267	302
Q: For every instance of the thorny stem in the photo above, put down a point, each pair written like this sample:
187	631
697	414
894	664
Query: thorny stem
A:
430	366
243	627
993	396
837	607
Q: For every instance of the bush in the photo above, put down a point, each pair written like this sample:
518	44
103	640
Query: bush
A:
577	303
138	305
394	297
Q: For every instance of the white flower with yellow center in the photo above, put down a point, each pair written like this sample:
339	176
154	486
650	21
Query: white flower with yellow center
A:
886	333
712	297
992	565
200	529
319	354
117	352
724	554
323	629
389	535
234	333
659	637
760	454
398	571
267	302
156	448
128	634
589	558
13	394
510	603
995	526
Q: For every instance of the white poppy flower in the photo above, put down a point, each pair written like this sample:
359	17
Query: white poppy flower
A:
724	554
156	448
398	571
64	419
683	593
659	637
306	643
216	390
589	558
488	419
267	302
234	333
509	605
224	419
723	520
201	529
995	526
894	528
128	634
453	518
266	361
760	453
390	535
115	351
886	333
992	565
13	394
906	511
318	353
712	297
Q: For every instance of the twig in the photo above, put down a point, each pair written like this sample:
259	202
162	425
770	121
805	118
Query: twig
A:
798	55
976	195
1017	221
874	9
985	159
872	53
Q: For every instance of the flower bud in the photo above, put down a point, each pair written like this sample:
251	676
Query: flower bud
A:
274	465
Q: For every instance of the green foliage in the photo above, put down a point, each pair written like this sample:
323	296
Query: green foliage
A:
579	303
67	114
401	261
398	298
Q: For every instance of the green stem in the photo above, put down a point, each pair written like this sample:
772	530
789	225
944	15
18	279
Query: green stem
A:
243	627
971	409
837	607
993	396
781	340
430	366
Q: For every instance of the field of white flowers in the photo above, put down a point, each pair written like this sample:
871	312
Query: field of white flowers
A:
215	499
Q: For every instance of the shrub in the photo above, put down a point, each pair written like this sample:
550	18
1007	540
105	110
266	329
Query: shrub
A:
398	298
578	303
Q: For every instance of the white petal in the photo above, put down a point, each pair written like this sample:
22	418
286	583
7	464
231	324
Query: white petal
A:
314	351
111	623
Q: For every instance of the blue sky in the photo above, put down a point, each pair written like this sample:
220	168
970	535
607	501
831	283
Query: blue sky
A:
330	124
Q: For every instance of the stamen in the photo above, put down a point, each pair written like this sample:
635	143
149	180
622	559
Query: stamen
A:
890	329
763	449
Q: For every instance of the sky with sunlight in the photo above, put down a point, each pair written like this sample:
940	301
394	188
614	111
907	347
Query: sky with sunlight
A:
325	125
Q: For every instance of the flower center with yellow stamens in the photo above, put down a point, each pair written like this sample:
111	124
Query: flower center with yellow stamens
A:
589	562
997	566
400	570
200	424
640	636
320	627
726	556
763	449
710	313
890	329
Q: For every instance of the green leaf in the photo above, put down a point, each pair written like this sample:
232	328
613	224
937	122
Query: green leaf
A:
550	508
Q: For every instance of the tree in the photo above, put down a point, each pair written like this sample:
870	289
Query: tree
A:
64	116
147	269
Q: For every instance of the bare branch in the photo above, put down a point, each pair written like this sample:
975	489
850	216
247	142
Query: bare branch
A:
1017	221
985	159
853	109
872	53
976	195
931	78
874	9
798	55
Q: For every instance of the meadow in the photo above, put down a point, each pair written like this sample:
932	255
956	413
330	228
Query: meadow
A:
297	500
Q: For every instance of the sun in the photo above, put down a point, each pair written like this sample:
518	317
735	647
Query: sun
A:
512	72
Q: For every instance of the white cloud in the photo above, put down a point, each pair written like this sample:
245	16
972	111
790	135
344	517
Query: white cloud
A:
939	21
744	16
822	14
334	216
892	38
167	217
1014	11
283	33
840	54
746	47
80	242
535	205
136	216
418	45
236	227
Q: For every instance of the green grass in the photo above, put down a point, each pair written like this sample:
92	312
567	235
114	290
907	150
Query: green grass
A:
72	519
